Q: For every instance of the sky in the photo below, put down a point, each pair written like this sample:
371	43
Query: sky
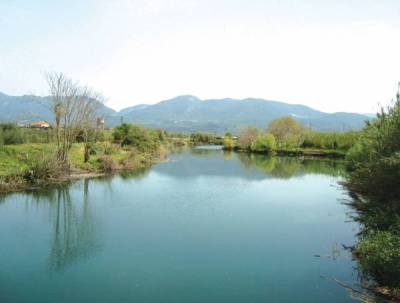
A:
339	55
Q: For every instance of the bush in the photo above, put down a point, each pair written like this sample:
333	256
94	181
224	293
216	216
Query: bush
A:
136	136
108	149
290	141
264	143
374	185
11	134
379	256
107	164
378	179
355	156
375	159
229	143
45	167
330	140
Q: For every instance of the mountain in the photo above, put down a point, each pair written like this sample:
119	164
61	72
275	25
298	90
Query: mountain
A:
189	114
28	108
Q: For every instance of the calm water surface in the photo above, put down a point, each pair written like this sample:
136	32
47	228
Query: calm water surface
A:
207	226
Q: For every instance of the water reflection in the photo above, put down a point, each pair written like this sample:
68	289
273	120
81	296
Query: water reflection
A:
74	228
74	231
287	167
207	162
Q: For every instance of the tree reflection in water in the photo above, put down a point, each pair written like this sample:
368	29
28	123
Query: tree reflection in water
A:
74	230
287	167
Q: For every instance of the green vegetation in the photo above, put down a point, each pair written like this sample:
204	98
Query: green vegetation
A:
378	253
246	138
204	138
287	132
341	141
264	143
374	162
78	143
13	134
29	165
139	137
286	136
228	142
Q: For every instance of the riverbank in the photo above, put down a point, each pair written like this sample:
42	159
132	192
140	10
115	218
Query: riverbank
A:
297	152
33	166
320	153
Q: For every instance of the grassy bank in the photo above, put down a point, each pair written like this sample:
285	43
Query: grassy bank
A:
26	166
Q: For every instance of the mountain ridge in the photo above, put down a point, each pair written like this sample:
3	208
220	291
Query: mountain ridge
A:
188	113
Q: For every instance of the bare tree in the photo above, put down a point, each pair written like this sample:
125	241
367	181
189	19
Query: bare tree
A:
247	135
75	108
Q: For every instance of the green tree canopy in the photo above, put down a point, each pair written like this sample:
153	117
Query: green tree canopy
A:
264	143
286	130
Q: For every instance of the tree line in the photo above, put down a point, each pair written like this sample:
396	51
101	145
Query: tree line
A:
286	133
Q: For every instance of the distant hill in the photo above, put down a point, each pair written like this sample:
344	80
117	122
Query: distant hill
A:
28	108
189	113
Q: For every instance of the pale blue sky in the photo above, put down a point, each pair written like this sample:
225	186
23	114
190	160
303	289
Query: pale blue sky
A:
341	55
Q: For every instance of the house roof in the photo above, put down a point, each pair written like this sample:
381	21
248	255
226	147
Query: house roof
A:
40	124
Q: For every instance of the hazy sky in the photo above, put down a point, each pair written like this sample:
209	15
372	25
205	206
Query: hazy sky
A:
339	55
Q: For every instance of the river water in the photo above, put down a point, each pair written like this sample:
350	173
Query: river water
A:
205	226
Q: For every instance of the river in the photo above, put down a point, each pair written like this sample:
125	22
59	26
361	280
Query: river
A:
204	226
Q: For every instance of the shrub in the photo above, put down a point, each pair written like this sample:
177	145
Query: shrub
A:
376	156
330	140
121	132
11	134
228	143
291	141
45	167
108	149
137	136
355	156
374	184
264	143
107	164
379	255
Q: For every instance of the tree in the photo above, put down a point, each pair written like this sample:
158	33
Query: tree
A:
375	158
287	131
247	136
137	137
75	109
264	143
228	143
